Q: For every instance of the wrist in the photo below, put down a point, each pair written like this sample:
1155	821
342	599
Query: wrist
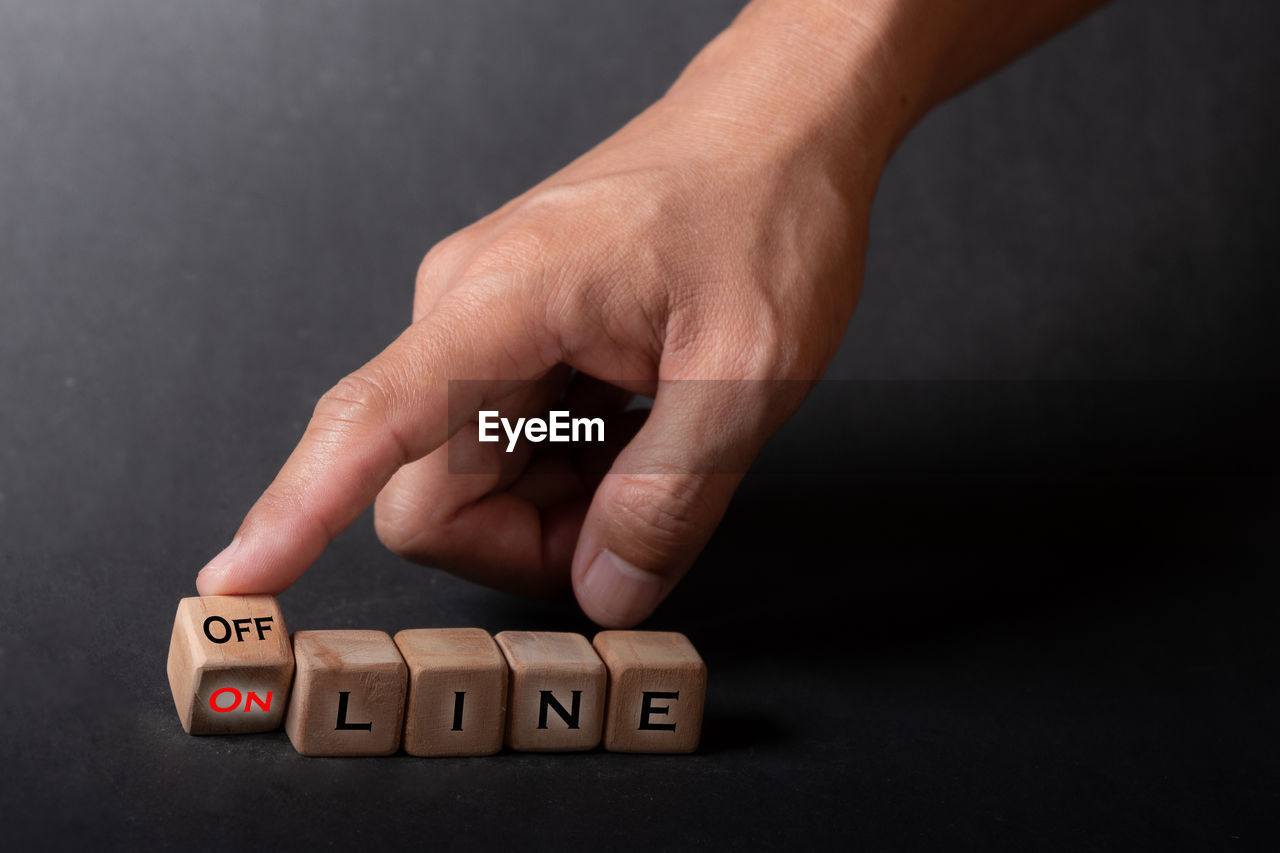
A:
820	81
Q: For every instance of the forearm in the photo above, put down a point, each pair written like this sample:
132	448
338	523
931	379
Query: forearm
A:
847	79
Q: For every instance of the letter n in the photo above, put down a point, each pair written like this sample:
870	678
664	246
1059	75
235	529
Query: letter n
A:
548	700
252	697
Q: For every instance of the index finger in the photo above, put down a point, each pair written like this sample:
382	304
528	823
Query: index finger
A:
390	412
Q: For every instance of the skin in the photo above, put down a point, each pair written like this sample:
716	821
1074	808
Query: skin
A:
718	235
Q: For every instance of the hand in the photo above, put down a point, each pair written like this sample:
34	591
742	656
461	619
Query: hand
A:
718	236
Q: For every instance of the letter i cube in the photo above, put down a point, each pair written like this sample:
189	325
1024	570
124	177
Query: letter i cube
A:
657	688
348	696
457	692
230	664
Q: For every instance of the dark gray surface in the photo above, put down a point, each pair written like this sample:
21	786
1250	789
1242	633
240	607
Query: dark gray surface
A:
1029	615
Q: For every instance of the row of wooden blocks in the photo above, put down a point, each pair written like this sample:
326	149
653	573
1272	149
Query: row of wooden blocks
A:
439	692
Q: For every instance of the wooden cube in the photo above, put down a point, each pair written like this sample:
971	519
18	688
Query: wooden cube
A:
348	694
555	701
230	664
657	689
457	692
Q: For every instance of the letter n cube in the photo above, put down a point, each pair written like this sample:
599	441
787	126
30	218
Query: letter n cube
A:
556	698
230	664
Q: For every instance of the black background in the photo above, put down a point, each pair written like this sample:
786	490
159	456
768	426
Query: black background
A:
1010	583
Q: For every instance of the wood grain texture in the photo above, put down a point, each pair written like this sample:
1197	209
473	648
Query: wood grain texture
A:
367	667
235	652
445	662
552	676
657	691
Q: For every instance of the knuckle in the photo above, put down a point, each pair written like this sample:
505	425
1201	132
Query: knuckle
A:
361	407
357	400
406	530
393	525
777	350
523	247
512	264
434	273
492	278
663	510
777	354
439	258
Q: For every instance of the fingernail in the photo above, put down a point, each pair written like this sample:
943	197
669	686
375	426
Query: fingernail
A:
207	579
620	594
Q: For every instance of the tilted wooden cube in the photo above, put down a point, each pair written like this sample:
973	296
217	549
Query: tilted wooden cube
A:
230	664
457	692
348	694
657	689
555	702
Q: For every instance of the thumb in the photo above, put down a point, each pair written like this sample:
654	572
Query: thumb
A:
664	495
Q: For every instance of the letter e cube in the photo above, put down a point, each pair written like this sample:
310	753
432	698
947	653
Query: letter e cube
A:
657	688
